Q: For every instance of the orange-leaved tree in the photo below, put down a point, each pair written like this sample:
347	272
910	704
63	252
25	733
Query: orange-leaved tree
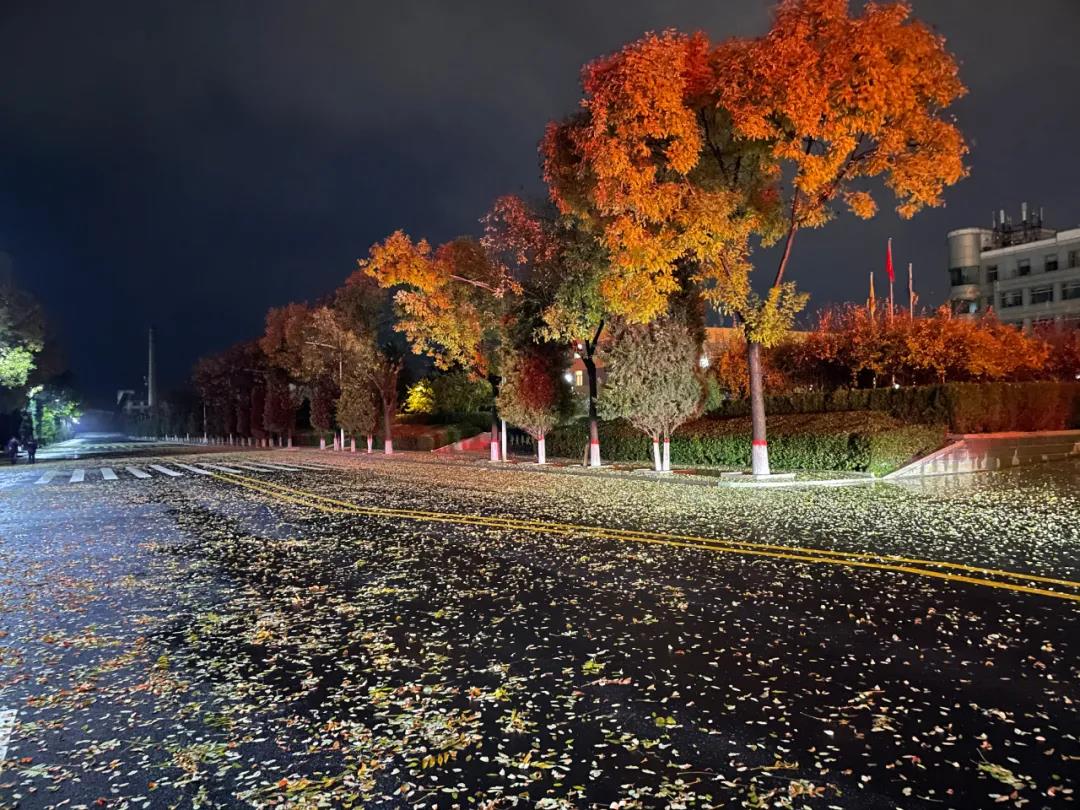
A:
684	151
451	302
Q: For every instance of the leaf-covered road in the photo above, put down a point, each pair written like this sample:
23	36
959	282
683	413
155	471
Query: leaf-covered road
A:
196	642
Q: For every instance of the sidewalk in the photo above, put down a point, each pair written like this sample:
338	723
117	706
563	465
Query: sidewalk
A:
628	471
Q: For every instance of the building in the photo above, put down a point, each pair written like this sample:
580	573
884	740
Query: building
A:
1029	275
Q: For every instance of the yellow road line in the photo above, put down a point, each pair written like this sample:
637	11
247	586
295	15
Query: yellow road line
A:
853	559
631	533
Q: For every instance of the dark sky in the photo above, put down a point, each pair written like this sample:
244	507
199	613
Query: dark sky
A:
190	164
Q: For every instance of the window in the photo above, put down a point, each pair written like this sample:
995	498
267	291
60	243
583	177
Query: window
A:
1042	295
1023	267
1074	258
1012	298
991	274
579	378
1050	263
964	275
1070	291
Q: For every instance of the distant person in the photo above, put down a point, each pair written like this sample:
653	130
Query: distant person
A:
12	448
31	450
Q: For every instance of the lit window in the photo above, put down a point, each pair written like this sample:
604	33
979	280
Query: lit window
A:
579	378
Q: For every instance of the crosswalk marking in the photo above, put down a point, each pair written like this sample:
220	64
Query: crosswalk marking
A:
190	468
165	470
221	468
173	470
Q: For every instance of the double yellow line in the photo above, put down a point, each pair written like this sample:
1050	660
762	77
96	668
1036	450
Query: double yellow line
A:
968	574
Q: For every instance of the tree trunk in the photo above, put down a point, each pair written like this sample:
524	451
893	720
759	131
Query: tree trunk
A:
541	451
388	428
658	464
503	446
594	432
370	442
322	442
667	452
352	444
494	454
759	450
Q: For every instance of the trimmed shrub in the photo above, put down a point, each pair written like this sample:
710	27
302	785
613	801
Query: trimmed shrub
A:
862	441
963	407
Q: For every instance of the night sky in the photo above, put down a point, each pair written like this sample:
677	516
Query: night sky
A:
190	164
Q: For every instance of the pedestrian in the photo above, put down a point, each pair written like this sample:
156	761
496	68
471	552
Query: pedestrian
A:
12	449
31	449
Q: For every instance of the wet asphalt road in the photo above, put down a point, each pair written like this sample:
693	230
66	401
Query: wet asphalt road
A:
401	634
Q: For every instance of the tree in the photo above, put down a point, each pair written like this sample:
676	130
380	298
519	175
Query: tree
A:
683	151
533	395
22	332
357	410
279	410
323	396
420	398
652	380
452	304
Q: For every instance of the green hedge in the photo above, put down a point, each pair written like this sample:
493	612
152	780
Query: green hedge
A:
963	407
861	441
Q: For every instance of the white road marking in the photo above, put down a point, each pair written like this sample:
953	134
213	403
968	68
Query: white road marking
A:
46	477
221	468
256	467
192	469
137	472
77	476
108	474
165	470
294	468
7	725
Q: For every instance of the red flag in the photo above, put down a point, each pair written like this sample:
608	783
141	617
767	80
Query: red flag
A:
888	262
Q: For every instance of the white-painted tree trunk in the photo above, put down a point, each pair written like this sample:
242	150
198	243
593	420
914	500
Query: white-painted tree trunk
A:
290	442
759	458
322	442
335	443
388	447
352	444
502	444
370	442
541	450
494	454
658	464
667	454
343	439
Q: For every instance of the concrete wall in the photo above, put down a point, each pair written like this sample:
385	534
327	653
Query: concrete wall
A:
985	452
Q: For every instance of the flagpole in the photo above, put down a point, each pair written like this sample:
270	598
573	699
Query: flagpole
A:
889	271
910	293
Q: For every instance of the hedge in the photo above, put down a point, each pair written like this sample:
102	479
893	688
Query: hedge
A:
862	441
963	407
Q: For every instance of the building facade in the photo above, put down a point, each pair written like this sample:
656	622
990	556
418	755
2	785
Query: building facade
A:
1029	275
